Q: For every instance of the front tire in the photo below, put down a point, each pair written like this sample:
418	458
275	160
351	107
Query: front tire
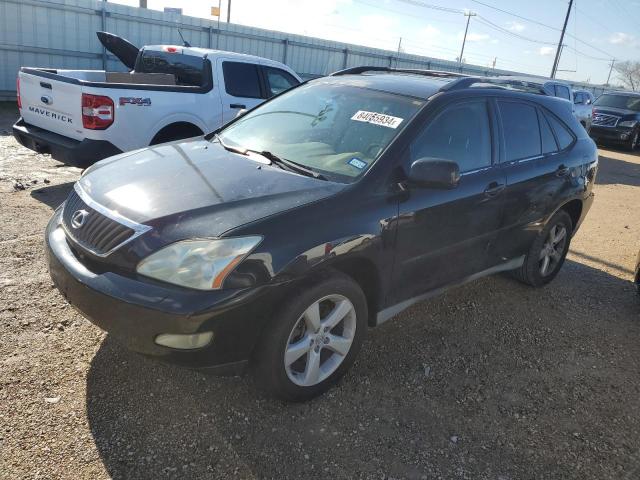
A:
548	251
313	340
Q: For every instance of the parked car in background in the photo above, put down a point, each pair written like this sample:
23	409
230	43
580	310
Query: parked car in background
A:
173	92
616	119
276	241
583	106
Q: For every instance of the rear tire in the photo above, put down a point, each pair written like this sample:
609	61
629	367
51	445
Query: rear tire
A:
313	340
547	253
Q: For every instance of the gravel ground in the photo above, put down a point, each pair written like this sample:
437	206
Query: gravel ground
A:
493	380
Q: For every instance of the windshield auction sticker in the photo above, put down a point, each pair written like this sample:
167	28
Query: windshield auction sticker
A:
377	119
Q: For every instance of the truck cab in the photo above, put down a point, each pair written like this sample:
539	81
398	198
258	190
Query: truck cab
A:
171	92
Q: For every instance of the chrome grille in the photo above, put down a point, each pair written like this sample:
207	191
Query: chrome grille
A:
604	120
98	234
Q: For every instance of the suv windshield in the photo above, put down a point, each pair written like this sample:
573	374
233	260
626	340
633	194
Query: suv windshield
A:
335	130
626	102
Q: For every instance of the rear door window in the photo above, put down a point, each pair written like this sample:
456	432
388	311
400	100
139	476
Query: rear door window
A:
278	80
187	69
460	133
520	129
549	144
242	79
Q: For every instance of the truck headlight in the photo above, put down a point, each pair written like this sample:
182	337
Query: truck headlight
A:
628	123
199	264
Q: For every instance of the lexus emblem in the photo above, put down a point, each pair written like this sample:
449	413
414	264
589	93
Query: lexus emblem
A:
78	218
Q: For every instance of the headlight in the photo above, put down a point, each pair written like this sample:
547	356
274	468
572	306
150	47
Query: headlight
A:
628	123
199	264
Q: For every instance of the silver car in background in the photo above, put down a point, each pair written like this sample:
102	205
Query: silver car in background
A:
583	107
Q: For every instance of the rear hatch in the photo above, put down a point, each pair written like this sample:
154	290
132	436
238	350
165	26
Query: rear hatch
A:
52	105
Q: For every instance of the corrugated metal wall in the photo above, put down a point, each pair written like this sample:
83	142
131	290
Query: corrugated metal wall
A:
61	34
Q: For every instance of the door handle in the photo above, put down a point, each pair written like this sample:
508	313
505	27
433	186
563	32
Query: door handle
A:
237	105
493	189
45	85
562	170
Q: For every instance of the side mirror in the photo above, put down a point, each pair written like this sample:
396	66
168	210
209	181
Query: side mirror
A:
434	173
588	102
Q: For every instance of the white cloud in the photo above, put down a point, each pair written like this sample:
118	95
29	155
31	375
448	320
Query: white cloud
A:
546	51
515	26
621	38
477	37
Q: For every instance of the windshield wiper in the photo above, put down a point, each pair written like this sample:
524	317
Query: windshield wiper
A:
241	151
274	159
289	164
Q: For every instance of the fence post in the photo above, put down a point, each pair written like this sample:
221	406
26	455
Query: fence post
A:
103	27
285	47
346	57
390	61
209	41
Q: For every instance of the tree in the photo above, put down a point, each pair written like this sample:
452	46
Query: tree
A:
629	74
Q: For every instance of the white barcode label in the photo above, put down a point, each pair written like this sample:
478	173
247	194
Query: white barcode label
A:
377	119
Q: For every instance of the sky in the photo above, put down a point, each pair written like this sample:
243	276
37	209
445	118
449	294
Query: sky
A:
597	31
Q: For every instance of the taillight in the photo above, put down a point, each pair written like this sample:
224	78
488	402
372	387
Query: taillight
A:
18	92
97	111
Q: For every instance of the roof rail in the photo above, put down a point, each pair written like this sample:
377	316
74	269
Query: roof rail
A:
466	82
415	71
460	80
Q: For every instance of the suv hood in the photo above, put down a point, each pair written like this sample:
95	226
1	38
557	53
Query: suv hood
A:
614	111
200	178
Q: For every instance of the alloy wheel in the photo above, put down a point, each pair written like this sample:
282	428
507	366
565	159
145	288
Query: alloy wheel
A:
320	340
553	249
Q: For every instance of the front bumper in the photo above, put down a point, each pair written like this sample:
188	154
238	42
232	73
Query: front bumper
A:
67	150
610	134
135	312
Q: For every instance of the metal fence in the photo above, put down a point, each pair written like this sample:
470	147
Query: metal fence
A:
61	34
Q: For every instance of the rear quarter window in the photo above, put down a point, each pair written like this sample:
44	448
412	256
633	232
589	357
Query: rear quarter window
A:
187	69
563	134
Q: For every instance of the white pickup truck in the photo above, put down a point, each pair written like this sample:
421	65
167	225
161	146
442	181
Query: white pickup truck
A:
172	92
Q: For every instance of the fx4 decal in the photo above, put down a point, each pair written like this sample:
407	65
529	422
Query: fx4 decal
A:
135	101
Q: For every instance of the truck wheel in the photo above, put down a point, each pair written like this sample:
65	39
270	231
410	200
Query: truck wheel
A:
313	340
547	253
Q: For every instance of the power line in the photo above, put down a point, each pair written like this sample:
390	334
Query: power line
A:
516	15
509	32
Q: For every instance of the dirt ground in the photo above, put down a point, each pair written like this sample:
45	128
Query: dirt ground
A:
493	380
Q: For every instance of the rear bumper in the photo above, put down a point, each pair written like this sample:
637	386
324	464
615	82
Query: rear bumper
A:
67	150
135	311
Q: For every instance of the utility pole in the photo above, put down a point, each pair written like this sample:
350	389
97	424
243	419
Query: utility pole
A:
613	60
464	40
493	65
228	11
398	54
556	62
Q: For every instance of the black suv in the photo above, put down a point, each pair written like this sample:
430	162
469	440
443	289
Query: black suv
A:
616	118
278	240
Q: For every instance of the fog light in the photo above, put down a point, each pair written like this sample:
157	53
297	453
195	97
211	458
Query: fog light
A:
184	342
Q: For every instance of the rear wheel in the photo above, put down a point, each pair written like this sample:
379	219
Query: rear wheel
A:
548	251
313	340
